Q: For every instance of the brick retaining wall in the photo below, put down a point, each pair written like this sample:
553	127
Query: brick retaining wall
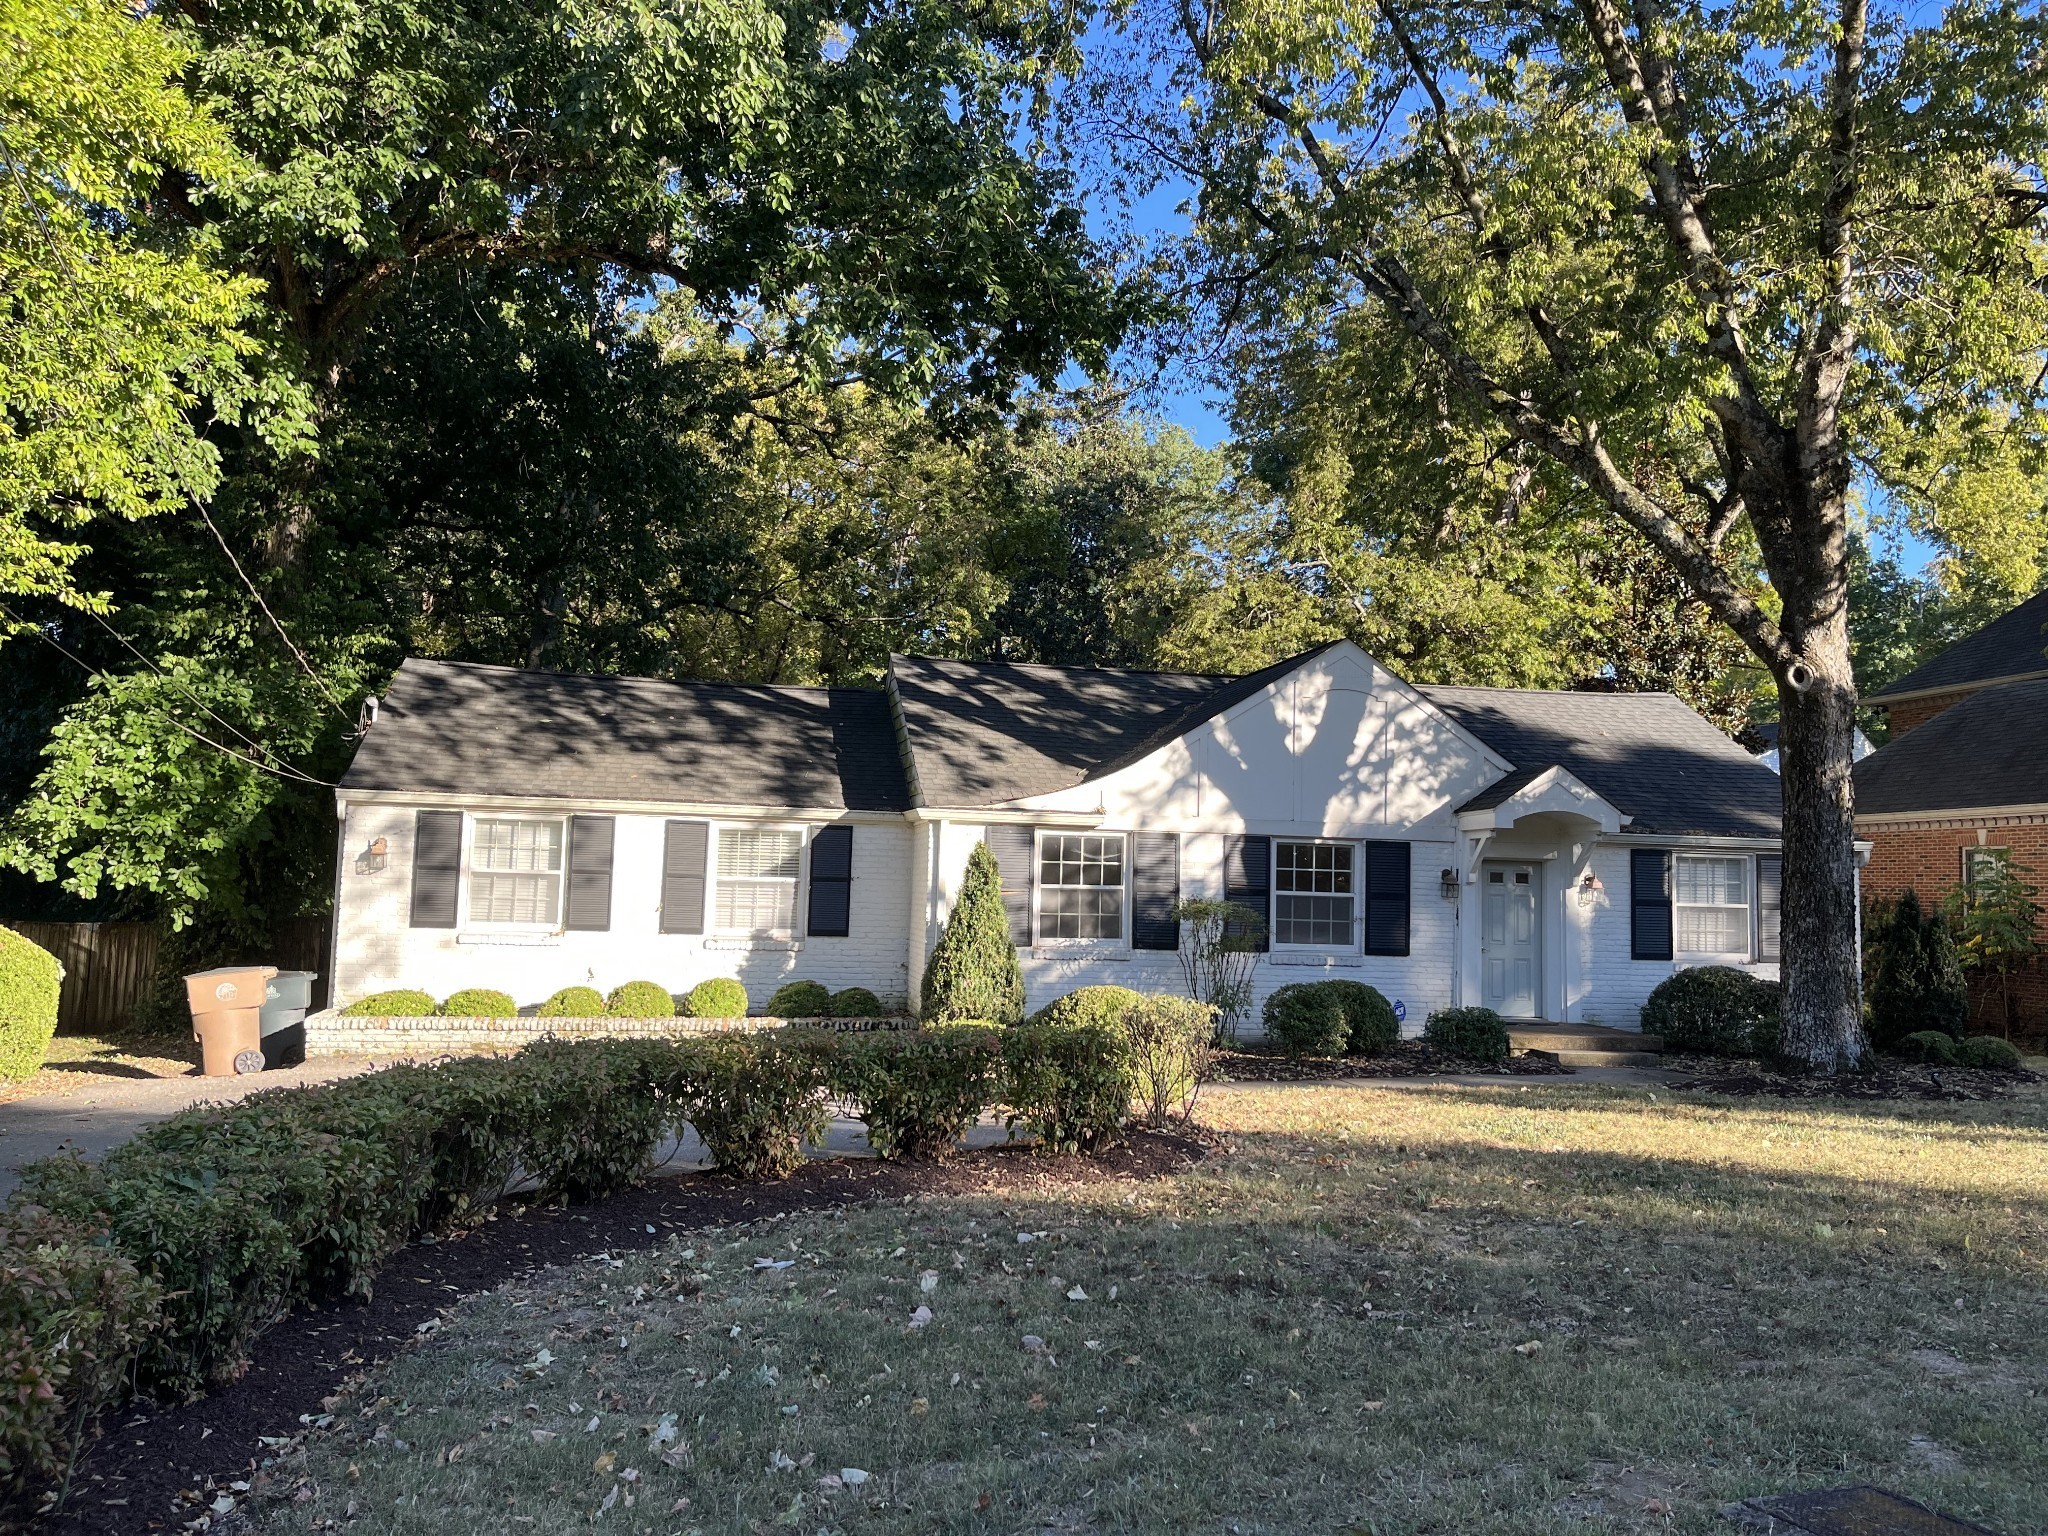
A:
335	1034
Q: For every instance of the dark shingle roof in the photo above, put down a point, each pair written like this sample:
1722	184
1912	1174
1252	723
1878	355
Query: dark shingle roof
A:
984	733
454	728
1502	790
1990	749
2014	645
1663	766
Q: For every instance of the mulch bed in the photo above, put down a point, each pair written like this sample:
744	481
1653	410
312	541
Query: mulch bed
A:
157	1467
1888	1079
1408	1058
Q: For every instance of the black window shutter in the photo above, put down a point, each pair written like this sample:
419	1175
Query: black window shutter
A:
682	876
436	867
1016	851
1155	890
1386	898
831	883
1649	901
587	907
1248	879
1770	877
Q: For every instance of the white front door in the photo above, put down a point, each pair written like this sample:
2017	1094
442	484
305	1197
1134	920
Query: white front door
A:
1509	938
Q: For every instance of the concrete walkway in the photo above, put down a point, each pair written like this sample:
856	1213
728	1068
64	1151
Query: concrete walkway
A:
102	1112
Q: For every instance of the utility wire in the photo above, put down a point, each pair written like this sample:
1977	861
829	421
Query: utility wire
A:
137	653
280	769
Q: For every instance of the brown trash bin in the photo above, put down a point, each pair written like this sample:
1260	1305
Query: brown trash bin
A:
227	1017
230	1041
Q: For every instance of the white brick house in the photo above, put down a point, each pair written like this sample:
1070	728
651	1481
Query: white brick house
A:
1552	855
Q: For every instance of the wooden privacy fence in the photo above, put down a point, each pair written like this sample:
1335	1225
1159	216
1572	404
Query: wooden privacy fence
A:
107	969
110	967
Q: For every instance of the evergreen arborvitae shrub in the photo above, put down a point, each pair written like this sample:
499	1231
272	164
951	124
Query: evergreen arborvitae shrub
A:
1306	1018
401	1003
1919	983
1988	1053
799	1000
1477	1033
1715	1010
854	1003
1088	1005
29	982
478	1003
573	1003
642	1000
1370	1028
719	998
973	973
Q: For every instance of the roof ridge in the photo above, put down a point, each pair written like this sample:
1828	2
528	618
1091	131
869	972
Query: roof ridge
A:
1557	693
1057	666
636	677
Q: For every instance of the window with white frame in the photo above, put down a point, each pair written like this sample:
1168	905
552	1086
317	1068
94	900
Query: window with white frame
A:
1710	904
1081	885
515	871
1314	894
758	870
1983	863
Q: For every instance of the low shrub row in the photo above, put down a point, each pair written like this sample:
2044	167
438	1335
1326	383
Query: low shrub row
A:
1478	1034
1939	1048
721	997
1715	1010
30	980
159	1265
1331	1018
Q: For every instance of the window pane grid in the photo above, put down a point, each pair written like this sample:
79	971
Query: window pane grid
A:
1081	886
758	868
1710	901
1313	902
515	872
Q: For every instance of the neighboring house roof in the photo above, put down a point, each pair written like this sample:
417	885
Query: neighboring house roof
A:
456	728
1990	749
1767	754
988	732
2011	646
1655	760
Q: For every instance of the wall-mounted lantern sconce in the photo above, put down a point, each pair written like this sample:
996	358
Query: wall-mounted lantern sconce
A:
1589	888
1449	885
372	858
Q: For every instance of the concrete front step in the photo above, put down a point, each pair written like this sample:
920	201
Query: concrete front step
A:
1573	1040
1608	1058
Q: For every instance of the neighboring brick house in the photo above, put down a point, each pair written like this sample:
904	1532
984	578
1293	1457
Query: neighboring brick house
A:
1965	778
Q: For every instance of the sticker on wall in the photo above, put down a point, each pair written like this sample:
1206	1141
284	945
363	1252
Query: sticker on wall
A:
1400	1011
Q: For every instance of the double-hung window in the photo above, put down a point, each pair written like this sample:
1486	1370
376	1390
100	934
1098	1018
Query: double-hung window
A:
1315	900
758	871
1081	886
1710	904
515	872
1983	863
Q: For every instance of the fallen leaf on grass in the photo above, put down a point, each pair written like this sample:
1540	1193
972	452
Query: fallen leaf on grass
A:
779	1462
1532	1347
920	1406
928	1281
1033	1344
1375	1405
921	1318
543	1436
853	1477
1077	1294
606	1460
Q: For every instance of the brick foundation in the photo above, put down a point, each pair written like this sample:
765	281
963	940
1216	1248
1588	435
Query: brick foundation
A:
334	1034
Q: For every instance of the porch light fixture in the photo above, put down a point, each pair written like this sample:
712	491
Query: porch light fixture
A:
373	857
1449	884
1589	887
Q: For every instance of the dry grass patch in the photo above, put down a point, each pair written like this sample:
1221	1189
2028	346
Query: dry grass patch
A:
1472	1310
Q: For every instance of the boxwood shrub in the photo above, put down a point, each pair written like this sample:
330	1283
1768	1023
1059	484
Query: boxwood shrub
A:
919	1091
1987	1053
1070	1088
1937	1047
478	1003
1478	1034
719	998
1306	1018
1088	1005
800	1000
30	979
1370	1028
647	1000
855	1003
756	1102
402	1003
1714	1010
573	1003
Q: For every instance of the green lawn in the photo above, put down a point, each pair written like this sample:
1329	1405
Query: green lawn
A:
1517	1309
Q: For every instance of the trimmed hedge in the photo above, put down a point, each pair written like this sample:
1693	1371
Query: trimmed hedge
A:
1933	1046
1305	1018
30	979
800	1000
1088	1005
642	1000
1987	1053
1370	1028
478	1003
73	1312
573	1003
919	1093
1715	1010
1479	1034
855	1003
1071	1088
403	1003
719	998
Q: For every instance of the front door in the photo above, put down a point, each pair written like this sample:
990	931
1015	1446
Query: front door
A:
1510	938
